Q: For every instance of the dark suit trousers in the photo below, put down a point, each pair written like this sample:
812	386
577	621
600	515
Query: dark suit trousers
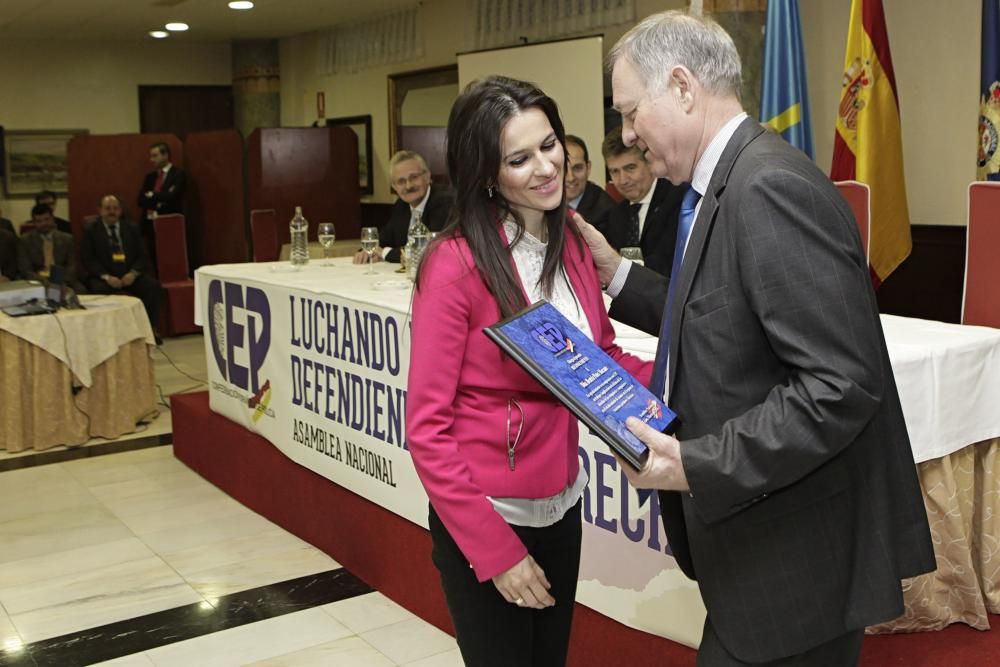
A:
842	651
145	288
494	632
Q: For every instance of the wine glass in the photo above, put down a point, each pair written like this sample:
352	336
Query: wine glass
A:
633	254
326	233
369	241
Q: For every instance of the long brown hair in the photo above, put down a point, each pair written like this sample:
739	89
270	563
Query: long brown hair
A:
475	126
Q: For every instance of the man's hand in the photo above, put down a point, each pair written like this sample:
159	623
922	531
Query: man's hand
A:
605	258
663	469
114	283
129	278
361	257
525	585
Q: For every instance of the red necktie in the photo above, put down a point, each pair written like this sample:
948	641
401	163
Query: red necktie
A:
160	175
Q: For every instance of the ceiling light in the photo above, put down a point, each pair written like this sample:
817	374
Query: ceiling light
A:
176	27
159	34
241	4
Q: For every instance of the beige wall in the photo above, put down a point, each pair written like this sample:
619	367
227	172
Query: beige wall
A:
94	86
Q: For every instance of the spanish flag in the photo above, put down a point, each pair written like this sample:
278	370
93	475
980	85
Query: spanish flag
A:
868	145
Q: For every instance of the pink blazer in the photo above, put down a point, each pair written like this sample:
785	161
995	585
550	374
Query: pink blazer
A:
456	408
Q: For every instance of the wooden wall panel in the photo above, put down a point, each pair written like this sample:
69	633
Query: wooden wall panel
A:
312	167
218	233
430	143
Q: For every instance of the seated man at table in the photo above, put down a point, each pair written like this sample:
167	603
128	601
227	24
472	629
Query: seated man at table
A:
411	180
44	247
586	198
8	255
49	198
115	259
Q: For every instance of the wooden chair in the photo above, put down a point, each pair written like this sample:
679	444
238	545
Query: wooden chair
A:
264	234
981	298
858	196
174	272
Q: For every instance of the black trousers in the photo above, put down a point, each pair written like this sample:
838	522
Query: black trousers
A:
492	631
842	651
145	288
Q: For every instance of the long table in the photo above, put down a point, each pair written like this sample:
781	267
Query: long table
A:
315	360
76	374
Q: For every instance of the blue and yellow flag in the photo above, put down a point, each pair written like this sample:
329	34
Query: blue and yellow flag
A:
988	162
784	99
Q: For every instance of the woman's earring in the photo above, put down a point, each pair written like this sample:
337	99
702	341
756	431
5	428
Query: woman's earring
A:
489	191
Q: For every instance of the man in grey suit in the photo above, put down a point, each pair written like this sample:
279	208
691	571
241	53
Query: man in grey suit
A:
44	247
790	491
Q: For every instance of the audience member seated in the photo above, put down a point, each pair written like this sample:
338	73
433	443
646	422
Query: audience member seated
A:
8	255
647	217
44	246
162	193
5	223
115	259
411	180
49	198
586	198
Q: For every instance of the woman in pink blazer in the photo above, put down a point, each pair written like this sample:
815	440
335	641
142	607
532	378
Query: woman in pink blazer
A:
495	451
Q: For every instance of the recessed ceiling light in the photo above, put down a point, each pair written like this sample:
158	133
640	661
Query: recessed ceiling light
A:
159	34
176	27
241	4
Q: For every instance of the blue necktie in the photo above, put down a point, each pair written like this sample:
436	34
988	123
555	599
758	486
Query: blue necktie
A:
685	221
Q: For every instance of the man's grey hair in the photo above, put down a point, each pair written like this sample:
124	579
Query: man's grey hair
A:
402	156
663	41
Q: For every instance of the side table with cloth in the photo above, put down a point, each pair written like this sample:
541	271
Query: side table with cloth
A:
310	379
103	349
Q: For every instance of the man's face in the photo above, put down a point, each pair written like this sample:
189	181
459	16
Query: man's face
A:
410	181
657	123
158	157
111	210
577	171
43	223
631	174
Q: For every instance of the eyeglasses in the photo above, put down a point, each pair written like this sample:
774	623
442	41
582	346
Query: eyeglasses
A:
403	181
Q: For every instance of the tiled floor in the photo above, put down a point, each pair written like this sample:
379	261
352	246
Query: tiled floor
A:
116	538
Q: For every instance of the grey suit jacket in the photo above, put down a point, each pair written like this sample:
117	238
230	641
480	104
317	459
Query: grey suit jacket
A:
805	509
31	258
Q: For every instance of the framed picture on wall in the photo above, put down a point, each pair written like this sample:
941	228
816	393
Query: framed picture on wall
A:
362	126
35	160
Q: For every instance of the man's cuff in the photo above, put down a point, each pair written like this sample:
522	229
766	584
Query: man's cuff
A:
385	252
617	283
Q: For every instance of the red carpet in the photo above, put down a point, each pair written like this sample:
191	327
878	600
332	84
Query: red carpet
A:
393	555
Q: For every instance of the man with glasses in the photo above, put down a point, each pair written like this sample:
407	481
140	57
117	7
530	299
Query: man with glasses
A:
411	181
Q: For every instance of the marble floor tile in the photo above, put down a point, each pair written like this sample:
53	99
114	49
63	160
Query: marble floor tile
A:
81	560
101	470
137	660
158	500
17	502
40	534
260	571
252	642
451	658
34	479
173	517
60	605
367	612
203	532
347	652
239	549
410	640
8	633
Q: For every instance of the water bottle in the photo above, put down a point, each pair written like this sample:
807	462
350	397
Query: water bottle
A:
418	237
299	229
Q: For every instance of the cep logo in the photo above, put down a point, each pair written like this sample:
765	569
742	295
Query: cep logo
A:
241	332
550	337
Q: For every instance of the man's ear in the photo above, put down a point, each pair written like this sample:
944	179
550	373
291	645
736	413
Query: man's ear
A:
683	84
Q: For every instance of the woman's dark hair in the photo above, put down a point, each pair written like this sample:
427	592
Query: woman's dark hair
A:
475	127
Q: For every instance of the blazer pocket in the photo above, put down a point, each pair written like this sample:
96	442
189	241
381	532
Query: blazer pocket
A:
708	303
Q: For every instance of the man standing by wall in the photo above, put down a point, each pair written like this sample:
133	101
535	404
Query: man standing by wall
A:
162	192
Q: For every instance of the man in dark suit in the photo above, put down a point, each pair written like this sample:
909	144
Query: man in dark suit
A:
44	247
115	259
49	198
586	198
647	217
8	255
5	223
411	181
162	192
790	491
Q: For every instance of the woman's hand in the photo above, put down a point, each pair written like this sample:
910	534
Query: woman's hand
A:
525	585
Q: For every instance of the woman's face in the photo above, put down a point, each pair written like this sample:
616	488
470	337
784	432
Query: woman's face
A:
532	164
